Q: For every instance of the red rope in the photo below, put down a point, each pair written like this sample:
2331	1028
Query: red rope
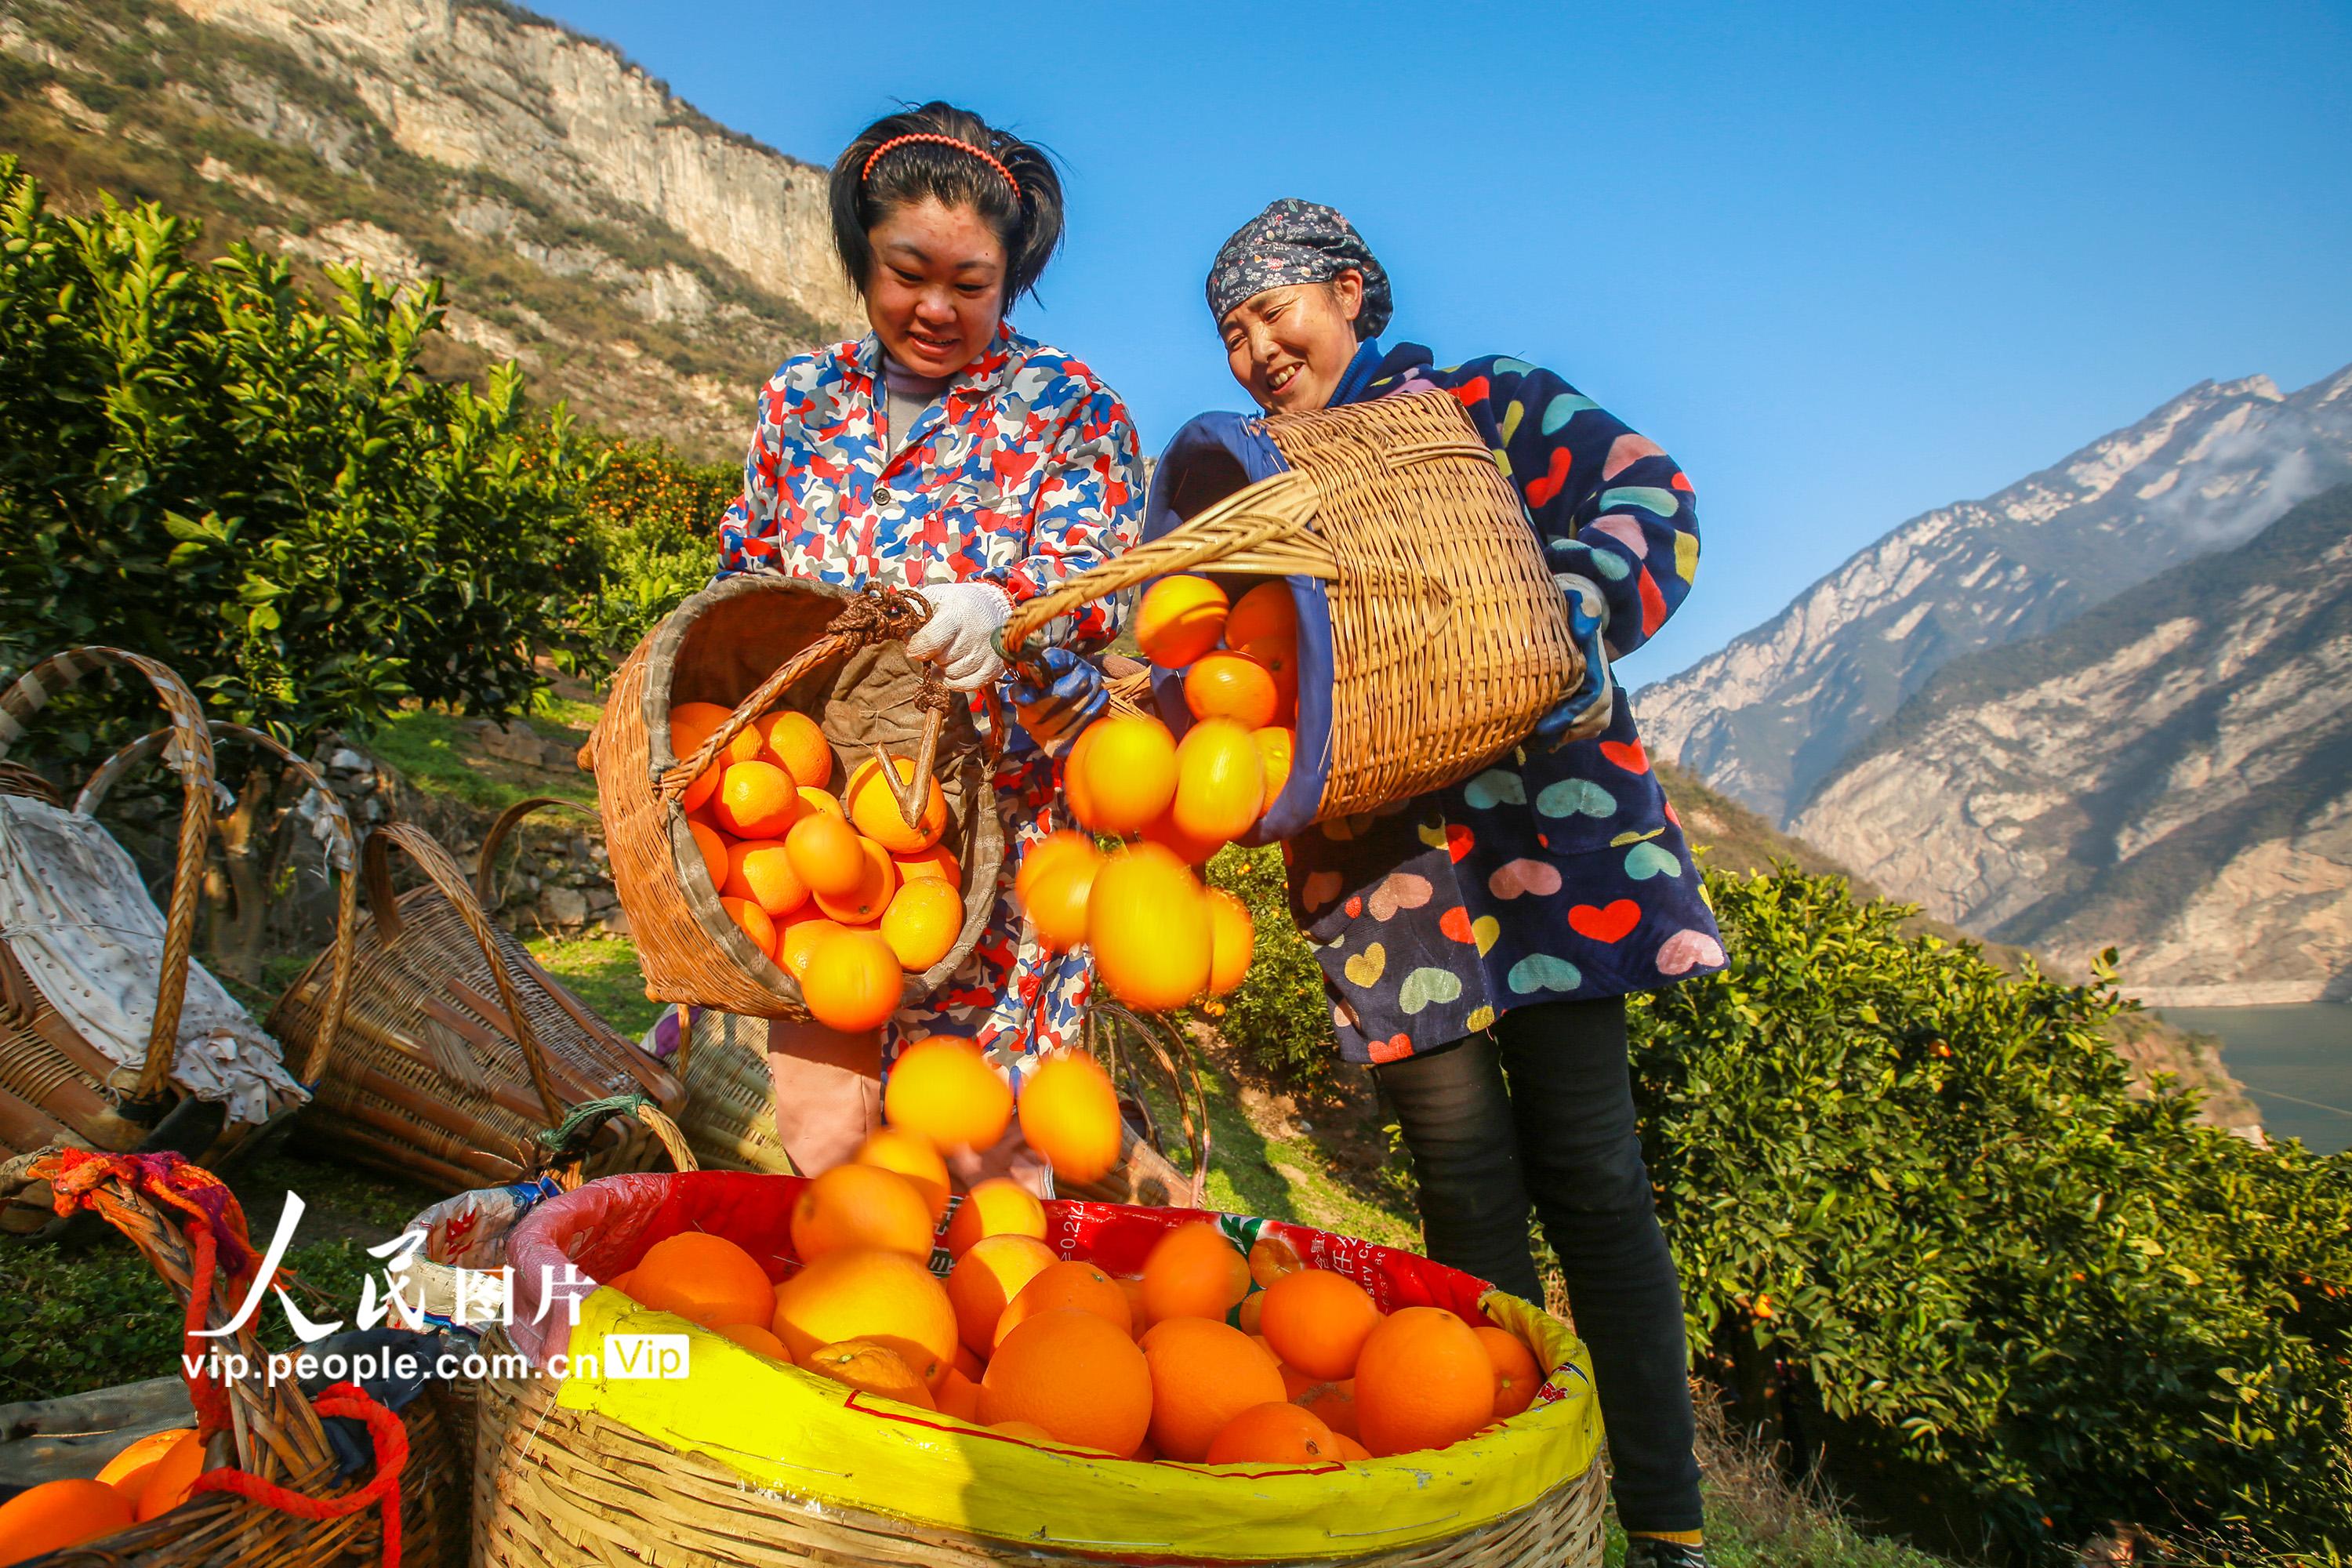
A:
391	1439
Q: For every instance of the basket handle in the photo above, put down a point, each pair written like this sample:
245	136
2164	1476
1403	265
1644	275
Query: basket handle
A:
494	839
1264	527
565	1147
335	831
878	615
443	874
190	753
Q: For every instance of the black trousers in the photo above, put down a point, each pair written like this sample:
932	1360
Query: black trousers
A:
1541	1110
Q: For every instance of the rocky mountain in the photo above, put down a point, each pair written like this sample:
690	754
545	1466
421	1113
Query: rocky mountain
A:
1780	708
2170	774
637	258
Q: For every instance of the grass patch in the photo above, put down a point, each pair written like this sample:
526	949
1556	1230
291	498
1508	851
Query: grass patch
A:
434	755
602	972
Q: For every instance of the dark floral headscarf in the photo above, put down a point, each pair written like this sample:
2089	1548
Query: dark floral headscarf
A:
1297	242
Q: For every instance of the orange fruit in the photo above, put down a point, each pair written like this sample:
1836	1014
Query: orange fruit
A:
866	903
713	845
960	1396
939	862
798	938
875	809
825	852
816	799
912	1156
1078	1378
1128	773
57	1514
1271	1257
1163	831
130	1469
857	1208
1232	940
1148	926
1266	611
625	1283
922	922
1280	1433
1059	847
997	1206
1069	1113
1422	1381
1230	686
1280	657
756	800
944	1088
1076	1287
1318	1322
1351	1452
1518	1375
969	1362
794	743
1056	905
1203	1373
985	1280
705	1278
1246	1317
1131	1287
1180	619
871	1294
753	921
1333	1402
167	1484
690	724
757	1337
1074	776
1194	1272
758	871
1275	745
1219	782
871	1367
852	982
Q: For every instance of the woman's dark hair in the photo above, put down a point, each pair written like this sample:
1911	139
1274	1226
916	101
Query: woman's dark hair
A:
1027	224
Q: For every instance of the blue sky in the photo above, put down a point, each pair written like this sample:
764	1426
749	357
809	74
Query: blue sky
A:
1845	262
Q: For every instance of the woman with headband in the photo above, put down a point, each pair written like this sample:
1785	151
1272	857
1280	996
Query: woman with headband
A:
1540	892
946	453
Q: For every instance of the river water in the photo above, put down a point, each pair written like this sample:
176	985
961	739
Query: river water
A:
2295	1061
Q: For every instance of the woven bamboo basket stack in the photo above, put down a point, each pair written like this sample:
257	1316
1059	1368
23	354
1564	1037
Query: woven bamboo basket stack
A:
1433	635
753	644
58	1089
274	1434
456	1049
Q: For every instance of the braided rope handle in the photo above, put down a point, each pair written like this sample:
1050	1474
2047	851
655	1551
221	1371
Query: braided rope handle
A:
567	1144
343	859
1261	528
878	615
190	753
443	873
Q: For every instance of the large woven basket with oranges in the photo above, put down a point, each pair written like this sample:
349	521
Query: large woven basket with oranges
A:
761	1446
726	735
1425	635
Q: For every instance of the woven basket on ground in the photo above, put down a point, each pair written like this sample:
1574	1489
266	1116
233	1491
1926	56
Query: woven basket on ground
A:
1432	635
56	1087
753	644
275	1434
456	1048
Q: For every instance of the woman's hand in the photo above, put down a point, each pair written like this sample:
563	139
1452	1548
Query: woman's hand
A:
1070	696
961	635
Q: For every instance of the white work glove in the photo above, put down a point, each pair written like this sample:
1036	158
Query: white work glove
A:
961	635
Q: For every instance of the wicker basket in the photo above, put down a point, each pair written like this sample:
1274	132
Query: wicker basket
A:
767	1466
56	1087
1411	559
749	644
275	1434
456	1049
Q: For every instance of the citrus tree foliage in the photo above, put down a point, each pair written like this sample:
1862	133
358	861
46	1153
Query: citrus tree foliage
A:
1278	1014
648	537
1923	1188
198	464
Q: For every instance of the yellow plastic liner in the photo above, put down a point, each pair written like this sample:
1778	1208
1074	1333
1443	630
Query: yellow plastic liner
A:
793	1432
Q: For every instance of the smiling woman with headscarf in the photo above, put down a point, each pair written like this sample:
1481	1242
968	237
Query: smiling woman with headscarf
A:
1556	882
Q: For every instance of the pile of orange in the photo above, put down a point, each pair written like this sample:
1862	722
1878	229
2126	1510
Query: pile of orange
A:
1241	668
1056	1350
841	891
151	1477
